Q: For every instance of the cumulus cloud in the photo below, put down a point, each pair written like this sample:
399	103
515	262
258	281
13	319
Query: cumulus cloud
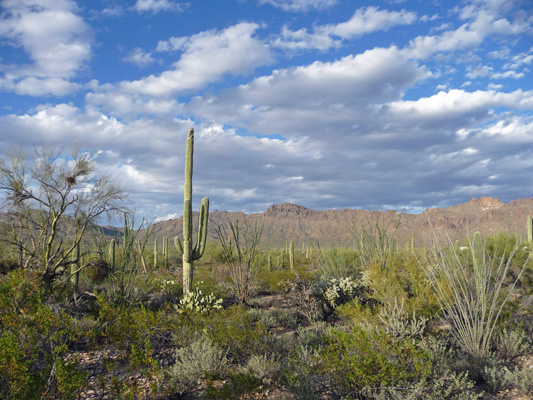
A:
156	6
138	57
309	98
56	39
300	5
482	23
363	21
206	57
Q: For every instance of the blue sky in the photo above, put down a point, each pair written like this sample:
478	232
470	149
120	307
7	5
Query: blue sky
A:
326	103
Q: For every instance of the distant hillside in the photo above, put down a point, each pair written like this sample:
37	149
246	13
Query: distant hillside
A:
287	222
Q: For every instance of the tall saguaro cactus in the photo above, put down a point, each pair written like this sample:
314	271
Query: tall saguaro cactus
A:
190	252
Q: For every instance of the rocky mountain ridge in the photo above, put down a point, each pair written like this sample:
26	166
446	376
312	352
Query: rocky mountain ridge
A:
285	222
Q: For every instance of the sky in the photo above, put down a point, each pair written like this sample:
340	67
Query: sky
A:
329	104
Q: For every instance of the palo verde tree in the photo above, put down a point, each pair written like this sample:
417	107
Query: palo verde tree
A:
51	202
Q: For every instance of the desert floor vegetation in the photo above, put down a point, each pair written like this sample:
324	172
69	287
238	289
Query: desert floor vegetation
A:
339	325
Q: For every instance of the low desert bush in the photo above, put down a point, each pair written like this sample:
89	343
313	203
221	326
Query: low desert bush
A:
265	367
397	323
34	342
200	359
446	385
240	385
500	377
299	295
302	375
511	343
357	361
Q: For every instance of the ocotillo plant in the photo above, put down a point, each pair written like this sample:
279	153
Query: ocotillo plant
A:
190	252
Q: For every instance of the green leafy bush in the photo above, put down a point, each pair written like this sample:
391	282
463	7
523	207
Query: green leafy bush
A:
34	343
357	360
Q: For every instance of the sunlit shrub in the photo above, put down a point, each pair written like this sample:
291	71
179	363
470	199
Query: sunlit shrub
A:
33	344
357	360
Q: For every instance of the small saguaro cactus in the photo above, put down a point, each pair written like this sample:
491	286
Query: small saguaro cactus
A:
530	231
190	252
165	251
291	256
112	253
155	253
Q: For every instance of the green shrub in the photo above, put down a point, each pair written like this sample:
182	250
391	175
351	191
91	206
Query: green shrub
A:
512	343
445	385
123	326
267	368
241	385
299	294
198	360
272	281
34	343
356	361
335	262
397	323
403	279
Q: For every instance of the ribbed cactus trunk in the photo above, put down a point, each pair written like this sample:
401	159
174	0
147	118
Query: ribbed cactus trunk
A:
112	254
291	256
529	231
155	253
191	253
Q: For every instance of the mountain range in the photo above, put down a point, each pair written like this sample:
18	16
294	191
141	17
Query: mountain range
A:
307	227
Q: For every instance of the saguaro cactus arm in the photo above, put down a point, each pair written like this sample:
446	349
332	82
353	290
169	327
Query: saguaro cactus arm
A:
177	243
202	229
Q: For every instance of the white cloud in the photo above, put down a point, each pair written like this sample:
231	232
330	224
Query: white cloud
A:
479	71
156	6
36	86
469	35
303	40
458	101
514	129
57	41
300	5
494	86
369	19
309	98
363	21
508	74
206	57
138	57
